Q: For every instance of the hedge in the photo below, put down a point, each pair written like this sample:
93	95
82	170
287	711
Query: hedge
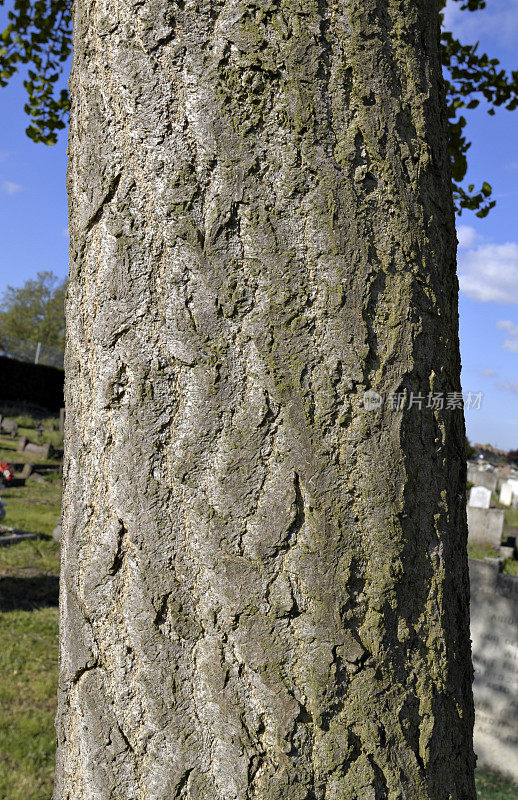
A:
34	384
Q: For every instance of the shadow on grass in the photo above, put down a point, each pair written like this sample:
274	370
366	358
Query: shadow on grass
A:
25	594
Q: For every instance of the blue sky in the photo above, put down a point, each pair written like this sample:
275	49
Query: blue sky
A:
33	219
488	248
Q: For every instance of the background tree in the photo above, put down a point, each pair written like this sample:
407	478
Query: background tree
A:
512	457
35	312
39	34
470	77
470	450
264	588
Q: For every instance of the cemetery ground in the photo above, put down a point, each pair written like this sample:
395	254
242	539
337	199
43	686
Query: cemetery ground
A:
481	550
29	579
29	576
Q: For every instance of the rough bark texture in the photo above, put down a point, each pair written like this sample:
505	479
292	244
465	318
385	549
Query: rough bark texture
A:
264	585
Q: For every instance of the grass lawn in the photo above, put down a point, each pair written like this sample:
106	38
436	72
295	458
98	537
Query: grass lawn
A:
29	645
28	661
28	634
492	787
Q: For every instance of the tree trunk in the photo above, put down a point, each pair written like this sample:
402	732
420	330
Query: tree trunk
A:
264	583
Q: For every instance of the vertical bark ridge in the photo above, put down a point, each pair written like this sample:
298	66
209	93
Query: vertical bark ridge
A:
264	585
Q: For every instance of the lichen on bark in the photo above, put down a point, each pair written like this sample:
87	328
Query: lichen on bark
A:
264	586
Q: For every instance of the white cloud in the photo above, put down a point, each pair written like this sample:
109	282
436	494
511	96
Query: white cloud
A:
467	236
11	188
509	327
489	273
64	232
488	373
499	22
509	386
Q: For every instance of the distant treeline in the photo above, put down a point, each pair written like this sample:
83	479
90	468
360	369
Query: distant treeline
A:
34	384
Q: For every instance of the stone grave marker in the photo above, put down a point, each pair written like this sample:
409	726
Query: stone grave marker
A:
35	477
506	494
506	551
26	471
494	633
39	450
22	441
46	450
10	426
42	451
480	497
56	533
486	525
482	477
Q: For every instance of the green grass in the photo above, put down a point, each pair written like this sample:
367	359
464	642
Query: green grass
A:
481	550
27	425
28	664
34	507
511	514
29	645
9	447
28	649
28	636
510	567
511	517
492	787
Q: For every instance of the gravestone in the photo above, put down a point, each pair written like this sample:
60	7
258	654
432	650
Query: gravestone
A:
506	494
26	471
42	451
480	497
32	448
22	441
10	426
35	477
494	633
486	525
482	477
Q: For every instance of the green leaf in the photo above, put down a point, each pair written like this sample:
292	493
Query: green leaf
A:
39	34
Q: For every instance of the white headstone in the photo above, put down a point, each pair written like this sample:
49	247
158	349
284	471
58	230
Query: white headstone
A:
506	494
514	483
480	497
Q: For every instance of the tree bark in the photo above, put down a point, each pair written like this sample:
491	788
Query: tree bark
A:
264	587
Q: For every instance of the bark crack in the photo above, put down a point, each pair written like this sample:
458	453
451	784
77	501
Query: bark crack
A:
121	549
108	197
